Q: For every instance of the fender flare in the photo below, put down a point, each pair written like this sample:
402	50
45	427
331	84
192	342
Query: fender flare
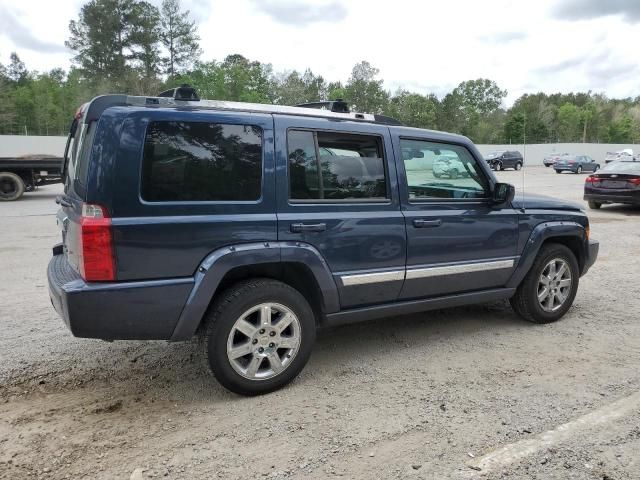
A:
539	235
219	262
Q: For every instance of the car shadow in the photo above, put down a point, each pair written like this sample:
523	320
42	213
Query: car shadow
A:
177	371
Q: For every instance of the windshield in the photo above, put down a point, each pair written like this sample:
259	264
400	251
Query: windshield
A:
495	154
622	167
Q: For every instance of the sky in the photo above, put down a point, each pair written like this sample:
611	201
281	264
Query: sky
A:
427	46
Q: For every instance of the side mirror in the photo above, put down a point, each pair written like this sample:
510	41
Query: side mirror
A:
503	193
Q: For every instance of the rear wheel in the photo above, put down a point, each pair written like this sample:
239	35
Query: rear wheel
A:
550	286
594	205
596	168
258	336
11	186
579	169
453	173
518	166
499	166
558	171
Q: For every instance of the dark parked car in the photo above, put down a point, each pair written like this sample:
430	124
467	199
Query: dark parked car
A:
551	159
576	164
253	225
617	182
505	159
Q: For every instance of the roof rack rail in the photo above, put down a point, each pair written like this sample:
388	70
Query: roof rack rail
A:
184	92
338	105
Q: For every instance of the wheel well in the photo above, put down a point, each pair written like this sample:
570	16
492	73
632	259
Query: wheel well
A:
574	244
296	275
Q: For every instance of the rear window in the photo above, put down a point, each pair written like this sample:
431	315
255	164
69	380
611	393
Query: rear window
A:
622	167
199	161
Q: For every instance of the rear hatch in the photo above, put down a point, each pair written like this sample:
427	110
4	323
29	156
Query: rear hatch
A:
73	209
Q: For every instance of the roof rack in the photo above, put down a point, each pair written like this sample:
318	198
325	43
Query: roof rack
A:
186	96
337	105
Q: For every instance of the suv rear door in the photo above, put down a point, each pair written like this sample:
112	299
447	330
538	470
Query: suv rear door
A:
457	241
345	205
76	163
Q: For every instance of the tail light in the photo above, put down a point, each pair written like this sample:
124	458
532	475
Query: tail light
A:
97	260
591	179
635	181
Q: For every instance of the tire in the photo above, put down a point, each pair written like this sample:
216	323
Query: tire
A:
579	169
221	322
499	166
11	187
453	174
525	301
518	166
597	168
594	205
558	171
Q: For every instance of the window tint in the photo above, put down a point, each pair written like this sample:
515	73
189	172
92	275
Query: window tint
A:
441	171
198	161
335	166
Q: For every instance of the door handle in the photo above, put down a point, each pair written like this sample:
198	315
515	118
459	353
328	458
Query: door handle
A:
308	227
420	223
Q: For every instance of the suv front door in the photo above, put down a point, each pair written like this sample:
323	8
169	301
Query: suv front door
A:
337	191
457	241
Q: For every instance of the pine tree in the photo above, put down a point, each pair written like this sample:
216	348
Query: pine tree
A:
179	37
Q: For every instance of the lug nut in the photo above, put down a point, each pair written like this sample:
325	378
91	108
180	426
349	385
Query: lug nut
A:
255	340
272	334
260	350
261	331
271	345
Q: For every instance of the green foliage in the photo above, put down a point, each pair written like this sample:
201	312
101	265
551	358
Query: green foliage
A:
131	46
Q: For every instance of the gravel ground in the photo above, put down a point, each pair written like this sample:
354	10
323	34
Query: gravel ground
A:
421	396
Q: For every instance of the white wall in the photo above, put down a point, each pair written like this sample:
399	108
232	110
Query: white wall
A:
534	153
17	145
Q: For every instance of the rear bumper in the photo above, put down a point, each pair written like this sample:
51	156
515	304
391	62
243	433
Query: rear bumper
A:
613	198
591	255
565	168
143	310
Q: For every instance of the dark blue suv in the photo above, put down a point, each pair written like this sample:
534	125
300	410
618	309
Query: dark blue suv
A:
253	225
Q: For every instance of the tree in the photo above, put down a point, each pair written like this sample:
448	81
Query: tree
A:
413	109
480	96
363	91
17	71
145	38
292	88
569	123
179	37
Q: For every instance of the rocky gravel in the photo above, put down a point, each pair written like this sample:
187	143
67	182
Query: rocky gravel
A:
421	396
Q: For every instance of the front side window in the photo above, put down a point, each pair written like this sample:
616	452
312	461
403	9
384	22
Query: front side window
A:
441	171
199	161
335	166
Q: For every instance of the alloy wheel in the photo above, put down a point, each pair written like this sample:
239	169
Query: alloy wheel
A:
554	285
264	341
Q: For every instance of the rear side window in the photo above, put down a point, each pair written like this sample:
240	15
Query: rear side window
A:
335	166
199	161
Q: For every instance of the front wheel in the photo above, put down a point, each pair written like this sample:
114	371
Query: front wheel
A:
550	286
11	186
518	166
594	205
558	171
258	336
579	169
